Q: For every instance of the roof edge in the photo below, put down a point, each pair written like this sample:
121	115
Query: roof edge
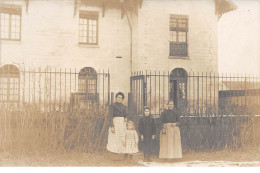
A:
224	6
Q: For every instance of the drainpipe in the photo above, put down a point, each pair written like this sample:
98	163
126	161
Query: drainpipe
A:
131	41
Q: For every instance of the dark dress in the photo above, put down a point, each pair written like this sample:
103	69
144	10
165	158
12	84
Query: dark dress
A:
147	128
116	140
170	141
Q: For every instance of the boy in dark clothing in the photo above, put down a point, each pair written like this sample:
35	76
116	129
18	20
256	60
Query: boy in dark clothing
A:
147	129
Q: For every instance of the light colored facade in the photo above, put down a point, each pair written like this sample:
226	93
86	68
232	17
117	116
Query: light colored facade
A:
131	36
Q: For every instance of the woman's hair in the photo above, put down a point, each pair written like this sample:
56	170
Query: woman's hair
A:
120	93
131	122
147	108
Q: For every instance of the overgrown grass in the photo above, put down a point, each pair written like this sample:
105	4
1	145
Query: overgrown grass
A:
31	131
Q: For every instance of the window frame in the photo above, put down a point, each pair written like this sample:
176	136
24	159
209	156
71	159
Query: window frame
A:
11	10
10	77
85	77
178	29
88	15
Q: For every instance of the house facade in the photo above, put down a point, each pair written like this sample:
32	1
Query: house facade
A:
123	36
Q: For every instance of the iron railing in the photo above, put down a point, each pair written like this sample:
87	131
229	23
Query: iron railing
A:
198	94
51	89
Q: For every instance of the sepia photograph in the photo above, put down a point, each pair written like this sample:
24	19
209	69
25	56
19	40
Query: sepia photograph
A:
130	83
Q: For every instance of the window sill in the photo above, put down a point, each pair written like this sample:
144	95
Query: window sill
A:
179	57
88	45
10	41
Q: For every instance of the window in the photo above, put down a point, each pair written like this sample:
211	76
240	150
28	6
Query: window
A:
10	22
87	87
178	35
9	85
88	27
87	80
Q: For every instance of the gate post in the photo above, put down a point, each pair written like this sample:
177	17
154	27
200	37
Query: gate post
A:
130	104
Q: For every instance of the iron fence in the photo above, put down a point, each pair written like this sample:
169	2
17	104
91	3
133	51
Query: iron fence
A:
52	89
197	94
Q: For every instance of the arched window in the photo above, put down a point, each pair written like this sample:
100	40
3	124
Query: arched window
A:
178	87
87	80
87	87
10	85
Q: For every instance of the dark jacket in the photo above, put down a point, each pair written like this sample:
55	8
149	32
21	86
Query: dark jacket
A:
146	127
116	110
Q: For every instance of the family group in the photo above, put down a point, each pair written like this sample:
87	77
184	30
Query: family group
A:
123	137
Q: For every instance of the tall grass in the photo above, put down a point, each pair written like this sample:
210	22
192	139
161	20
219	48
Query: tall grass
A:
31	131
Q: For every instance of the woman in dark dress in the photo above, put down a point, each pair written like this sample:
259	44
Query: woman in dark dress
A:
147	129
170	139
117	126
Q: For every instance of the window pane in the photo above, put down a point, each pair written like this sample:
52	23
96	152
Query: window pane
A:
17	29
182	90
90	34
81	21
173	22
173	36
90	22
89	28
90	40
17	36
4	25
182	37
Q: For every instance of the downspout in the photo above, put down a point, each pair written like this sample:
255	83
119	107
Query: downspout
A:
131	42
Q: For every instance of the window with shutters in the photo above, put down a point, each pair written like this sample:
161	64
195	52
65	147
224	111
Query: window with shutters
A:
178	35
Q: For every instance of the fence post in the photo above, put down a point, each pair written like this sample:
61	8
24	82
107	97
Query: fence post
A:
198	95
145	90
108	87
50	104
245	91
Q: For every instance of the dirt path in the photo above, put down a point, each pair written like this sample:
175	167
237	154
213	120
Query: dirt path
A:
237	158
202	164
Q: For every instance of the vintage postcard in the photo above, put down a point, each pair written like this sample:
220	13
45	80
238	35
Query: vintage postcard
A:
137	83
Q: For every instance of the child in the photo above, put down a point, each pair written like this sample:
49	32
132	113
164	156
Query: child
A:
147	131
131	139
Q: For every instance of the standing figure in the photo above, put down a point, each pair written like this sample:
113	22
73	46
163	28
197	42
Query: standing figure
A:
170	138
117	125
131	139
147	129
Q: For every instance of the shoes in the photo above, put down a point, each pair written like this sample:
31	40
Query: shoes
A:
147	159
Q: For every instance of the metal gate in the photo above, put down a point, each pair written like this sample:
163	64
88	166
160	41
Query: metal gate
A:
137	97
